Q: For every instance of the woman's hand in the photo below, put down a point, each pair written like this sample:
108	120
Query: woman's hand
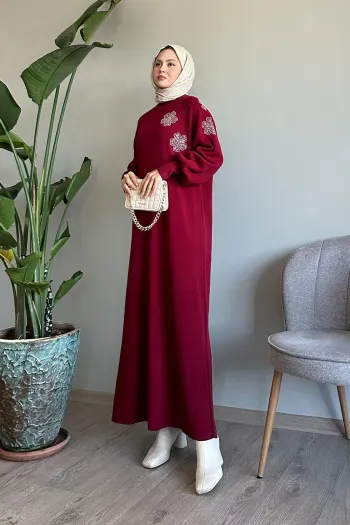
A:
129	182
150	184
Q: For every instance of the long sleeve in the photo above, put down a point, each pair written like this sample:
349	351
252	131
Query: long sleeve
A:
132	166
198	164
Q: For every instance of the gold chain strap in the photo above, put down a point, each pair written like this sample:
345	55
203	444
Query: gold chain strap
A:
155	220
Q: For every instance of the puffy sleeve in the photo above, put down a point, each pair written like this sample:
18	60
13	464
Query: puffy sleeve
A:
198	164
132	166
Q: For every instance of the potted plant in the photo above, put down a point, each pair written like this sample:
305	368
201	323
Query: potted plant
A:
38	356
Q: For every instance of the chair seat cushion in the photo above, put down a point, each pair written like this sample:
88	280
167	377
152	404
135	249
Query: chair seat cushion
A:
324	345
321	355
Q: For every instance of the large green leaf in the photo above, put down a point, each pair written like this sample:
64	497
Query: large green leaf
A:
23	150
39	287
78	180
24	273
7	255
43	76
33	258
17	141
66	189
57	192
7	213
103	45
95	21
66	286
92	24
9	109
67	36
7	241
26	152
17	274
61	242
11	191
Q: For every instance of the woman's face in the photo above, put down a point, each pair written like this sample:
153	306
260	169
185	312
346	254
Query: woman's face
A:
166	69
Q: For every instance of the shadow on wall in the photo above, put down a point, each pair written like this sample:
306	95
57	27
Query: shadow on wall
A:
242	368
250	353
242	361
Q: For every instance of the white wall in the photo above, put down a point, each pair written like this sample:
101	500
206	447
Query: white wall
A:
276	76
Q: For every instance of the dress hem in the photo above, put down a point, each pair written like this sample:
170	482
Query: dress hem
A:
172	424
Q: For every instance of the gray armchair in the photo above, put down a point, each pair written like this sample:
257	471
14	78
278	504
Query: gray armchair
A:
316	341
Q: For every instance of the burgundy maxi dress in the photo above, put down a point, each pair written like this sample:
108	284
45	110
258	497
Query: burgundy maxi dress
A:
165	368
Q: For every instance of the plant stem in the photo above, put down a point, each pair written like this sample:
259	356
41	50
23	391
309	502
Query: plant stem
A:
25	187
24	244
52	162
33	171
45	208
33	183
13	287
34	317
15	299
21	324
43	184
41	215
57	136
21	327
25	233
49	263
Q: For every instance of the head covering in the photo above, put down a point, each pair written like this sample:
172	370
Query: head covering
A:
183	83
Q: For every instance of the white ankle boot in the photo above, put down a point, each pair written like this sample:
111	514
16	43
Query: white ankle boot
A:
159	453
209	465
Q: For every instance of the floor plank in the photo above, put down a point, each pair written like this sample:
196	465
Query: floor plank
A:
113	497
240	492
82	444
176	498
73	406
303	489
337	508
105	462
38	507
86	415
98	479
7	467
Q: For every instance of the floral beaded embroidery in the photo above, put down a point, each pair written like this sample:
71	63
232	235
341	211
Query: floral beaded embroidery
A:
169	119
178	142
208	126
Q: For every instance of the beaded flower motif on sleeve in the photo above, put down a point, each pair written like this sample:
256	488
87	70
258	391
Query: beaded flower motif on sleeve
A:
208	126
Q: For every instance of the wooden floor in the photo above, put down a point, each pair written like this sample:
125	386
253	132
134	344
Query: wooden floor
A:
98	479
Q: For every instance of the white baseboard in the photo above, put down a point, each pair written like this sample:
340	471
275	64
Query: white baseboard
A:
317	425
312	424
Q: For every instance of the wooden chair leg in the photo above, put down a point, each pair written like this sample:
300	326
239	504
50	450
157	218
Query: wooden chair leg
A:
344	410
270	418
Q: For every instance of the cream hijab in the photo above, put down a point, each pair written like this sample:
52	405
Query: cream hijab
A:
183	83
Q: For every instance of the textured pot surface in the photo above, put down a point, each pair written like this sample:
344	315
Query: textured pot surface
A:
35	382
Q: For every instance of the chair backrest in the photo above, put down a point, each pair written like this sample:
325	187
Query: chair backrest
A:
315	286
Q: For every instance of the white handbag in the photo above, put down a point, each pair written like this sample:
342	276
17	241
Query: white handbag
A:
158	203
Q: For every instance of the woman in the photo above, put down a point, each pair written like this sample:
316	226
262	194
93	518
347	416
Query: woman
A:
165	370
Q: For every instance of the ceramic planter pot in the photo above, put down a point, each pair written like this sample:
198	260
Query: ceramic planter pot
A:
35	382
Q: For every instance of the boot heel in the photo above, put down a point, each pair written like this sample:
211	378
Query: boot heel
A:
181	441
